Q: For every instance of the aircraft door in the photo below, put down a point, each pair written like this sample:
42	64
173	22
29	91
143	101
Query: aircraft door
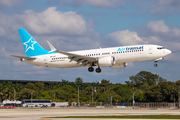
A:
45	61
150	49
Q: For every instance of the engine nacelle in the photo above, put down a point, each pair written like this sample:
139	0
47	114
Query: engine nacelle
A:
107	61
119	65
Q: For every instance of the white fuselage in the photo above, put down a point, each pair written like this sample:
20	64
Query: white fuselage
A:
122	54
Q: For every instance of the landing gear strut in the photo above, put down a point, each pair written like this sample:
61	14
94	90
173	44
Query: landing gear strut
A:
155	64
90	69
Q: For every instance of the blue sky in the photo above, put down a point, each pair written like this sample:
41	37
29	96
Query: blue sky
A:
87	24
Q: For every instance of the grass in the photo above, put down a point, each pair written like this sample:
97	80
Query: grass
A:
128	116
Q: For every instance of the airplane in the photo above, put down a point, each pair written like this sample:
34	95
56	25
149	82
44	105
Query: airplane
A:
115	57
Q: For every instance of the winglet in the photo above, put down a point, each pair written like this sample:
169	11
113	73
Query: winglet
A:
51	46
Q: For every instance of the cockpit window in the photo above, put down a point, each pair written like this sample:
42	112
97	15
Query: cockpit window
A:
159	48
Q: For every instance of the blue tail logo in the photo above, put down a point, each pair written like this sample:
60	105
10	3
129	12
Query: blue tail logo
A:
31	47
29	44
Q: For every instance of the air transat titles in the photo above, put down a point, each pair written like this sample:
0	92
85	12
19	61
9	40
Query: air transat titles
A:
131	48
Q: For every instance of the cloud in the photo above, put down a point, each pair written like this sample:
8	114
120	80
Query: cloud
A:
3	53
103	3
51	21
17	62
174	57
159	32
158	26
154	7
152	40
2	32
68	30
176	31
174	46
9	3
163	7
94	3
126	37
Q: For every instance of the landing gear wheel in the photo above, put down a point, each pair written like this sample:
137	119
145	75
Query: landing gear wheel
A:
90	69
155	65
98	70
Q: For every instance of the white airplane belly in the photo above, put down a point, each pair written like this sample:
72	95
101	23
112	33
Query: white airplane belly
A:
63	64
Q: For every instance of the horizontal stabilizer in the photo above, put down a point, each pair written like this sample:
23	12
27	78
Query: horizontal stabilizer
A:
22	57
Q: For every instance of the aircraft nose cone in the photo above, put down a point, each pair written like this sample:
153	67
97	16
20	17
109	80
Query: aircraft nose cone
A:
169	52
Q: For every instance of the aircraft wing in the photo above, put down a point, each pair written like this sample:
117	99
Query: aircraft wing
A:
22	57
84	60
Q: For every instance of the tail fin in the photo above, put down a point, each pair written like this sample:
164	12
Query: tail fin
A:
31	47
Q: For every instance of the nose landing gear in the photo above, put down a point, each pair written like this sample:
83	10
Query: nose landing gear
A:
155	64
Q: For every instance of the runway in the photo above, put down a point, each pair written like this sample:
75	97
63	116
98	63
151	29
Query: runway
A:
40	113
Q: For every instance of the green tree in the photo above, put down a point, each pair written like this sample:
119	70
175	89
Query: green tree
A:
162	92
8	91
144	80
78	81
1	92
124	92
64	82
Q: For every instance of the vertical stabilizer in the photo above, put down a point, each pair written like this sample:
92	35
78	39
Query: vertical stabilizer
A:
31	47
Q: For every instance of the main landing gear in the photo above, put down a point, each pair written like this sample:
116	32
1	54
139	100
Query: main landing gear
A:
155	64
98	70
91	69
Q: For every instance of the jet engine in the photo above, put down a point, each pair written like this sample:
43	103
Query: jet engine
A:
107	61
